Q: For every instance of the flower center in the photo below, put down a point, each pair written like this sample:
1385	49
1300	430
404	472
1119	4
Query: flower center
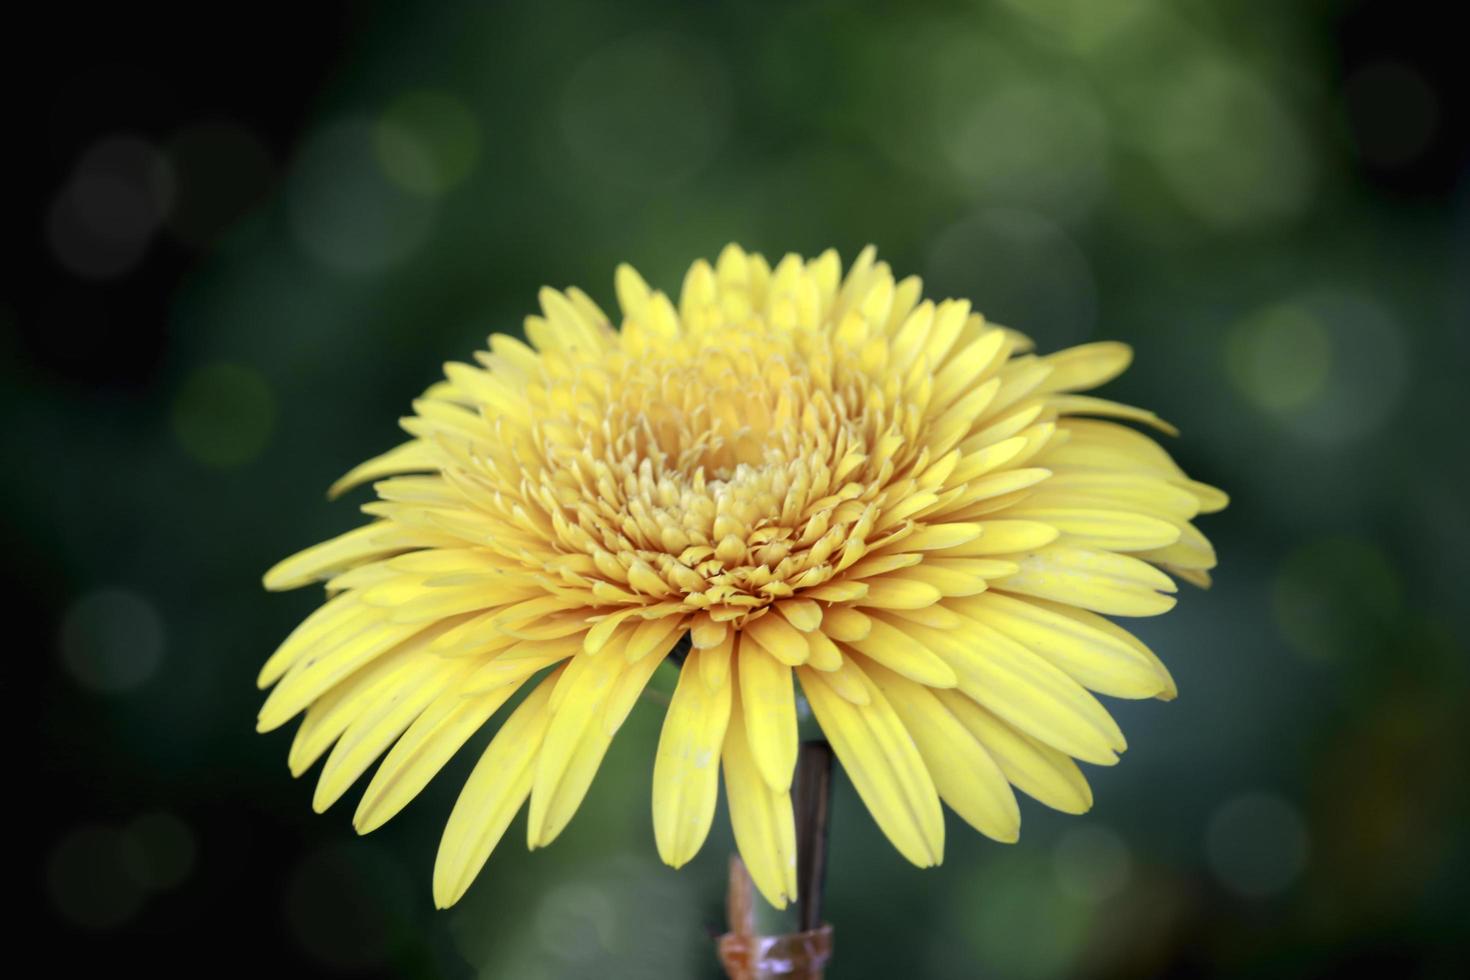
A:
725	471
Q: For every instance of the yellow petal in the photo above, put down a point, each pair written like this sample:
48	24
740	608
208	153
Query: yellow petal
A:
938	537
846	623
1087	365
804	614
1095	659
337	613
823	653
314	675
768	701
897	649
778	638
430	741
574	746
653	636
321	561
329	715
602	631
1028	692
1035	768
1087	405
885	767
1101	581
900	591
380	724
686	768
948	581
705	632
714	667
491	796
412	457
1112	530
760	816
965	775
626	692
1006	537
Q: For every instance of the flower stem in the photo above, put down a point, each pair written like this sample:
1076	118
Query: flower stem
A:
801	955
813	798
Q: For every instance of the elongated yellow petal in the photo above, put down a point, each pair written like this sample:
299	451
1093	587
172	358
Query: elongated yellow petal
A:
1088	405
654	636
898	649
1006	537
1087	366
686	769
900	592
1035	768
313	676
1113	530
497	787
779	638
948	580
1095	659
768	697
1097	580
967	367
965	775
1101	624
574	746
329	715
321	561
715	666
626	692
1027	691
379	726
824	654
430	741
804	614
885	767
334	616
846	623
939	537
415	456
760	816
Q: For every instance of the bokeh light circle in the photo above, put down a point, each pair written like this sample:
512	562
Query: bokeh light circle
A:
1257	845
1280	358
1091	863
104	217
1229	148
1082	25
647	111
1035	144
224	414
427	142
96	877
345	210
1330	364
112	640
576	922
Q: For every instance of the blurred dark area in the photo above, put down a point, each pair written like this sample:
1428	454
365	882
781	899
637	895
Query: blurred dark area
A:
243	239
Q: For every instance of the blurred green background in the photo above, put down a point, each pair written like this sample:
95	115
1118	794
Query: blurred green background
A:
251	239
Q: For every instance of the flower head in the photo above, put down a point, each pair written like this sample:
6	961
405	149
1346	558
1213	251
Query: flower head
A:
827	484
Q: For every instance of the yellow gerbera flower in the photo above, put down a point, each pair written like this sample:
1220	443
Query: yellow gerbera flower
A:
815	479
